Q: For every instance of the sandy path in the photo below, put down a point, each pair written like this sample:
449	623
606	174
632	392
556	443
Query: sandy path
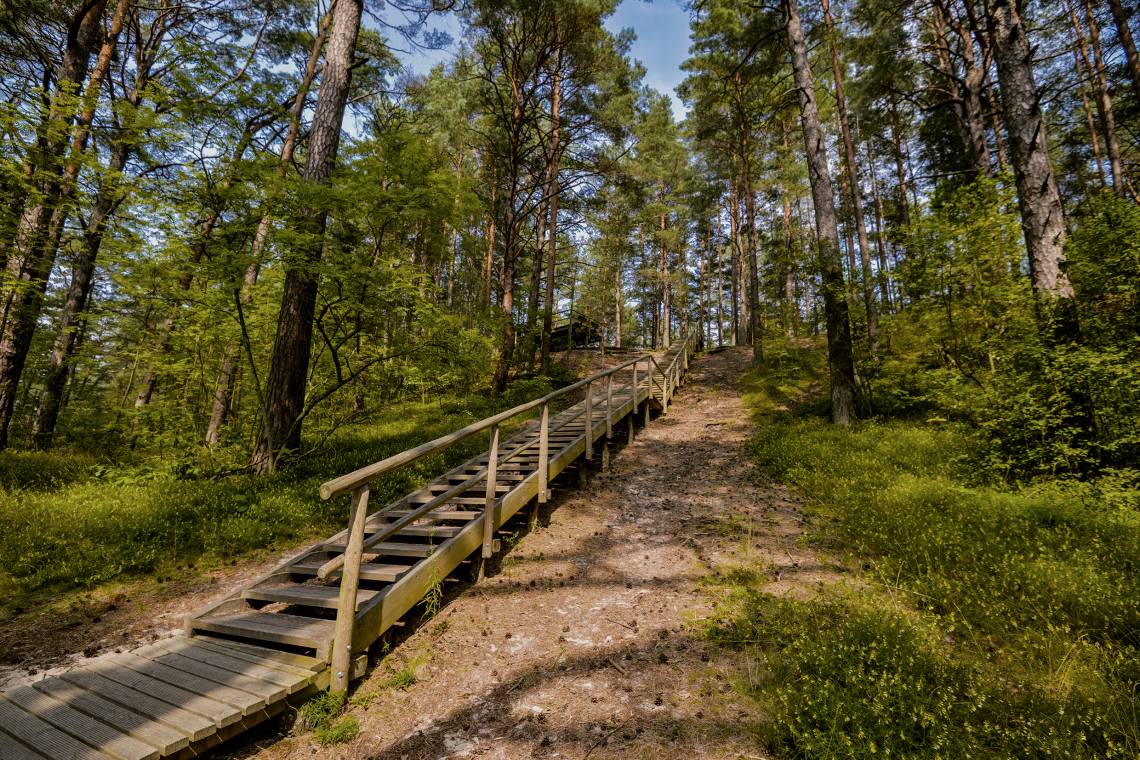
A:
583	645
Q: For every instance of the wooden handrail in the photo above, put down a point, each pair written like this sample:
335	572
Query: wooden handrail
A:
357	478
358	483
390	529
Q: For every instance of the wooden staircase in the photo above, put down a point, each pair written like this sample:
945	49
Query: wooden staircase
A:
308	624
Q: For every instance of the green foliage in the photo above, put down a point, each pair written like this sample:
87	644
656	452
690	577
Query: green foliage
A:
344	730
67	523
993	622
969	347
404	678
320	711
855	678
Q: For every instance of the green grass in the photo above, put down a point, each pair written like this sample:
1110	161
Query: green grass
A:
987	622
343	730
69	522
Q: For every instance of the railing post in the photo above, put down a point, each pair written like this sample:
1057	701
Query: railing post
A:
633	403
489	509
349	582
544	456
609	407
589	421
648	388
634	410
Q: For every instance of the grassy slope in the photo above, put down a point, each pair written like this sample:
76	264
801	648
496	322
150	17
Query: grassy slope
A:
68	523
989	623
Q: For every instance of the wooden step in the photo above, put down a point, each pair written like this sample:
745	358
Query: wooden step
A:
437	488
390	549
326	597
275	627
440	514
368	571
429	531
467	500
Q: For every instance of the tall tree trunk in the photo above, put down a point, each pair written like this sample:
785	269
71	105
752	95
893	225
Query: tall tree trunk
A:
1102	97
198	248
537	266
965	89
754	312
881	243
900	165
853	185
288	371
1080	56
840	354
666	285
553	193
1042	216
1124	34
68	335
32	253
617	306
734	274
227	376
719	284
742	322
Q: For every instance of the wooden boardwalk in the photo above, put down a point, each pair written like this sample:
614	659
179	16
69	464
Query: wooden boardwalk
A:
280	639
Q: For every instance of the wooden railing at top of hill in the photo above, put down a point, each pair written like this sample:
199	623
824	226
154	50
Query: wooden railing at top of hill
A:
358	483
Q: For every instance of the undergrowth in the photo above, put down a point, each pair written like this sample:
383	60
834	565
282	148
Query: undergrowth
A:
988	622
69	521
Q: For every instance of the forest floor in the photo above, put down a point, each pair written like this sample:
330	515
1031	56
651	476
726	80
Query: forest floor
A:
588	641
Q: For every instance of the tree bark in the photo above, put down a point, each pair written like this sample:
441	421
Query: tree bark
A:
1102	97
666	284
1124	34
840	354
1042	217
965	89
288	371
227	376
853	185
29	262
67	338
553	192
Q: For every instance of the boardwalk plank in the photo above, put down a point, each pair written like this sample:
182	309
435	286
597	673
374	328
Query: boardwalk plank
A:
287	681
188	663
45	737
80	725
10	749
229	695
143	727
142	701
219	713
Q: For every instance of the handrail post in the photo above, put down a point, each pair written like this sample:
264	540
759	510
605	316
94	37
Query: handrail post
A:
609	407
648	389
544	456
633	403
589	421
489	509
349	582
634	410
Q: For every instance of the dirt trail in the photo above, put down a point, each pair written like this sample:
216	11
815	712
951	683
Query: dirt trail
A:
582	645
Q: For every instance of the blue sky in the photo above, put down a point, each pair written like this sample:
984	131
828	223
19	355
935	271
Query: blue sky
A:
662	42
662	28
